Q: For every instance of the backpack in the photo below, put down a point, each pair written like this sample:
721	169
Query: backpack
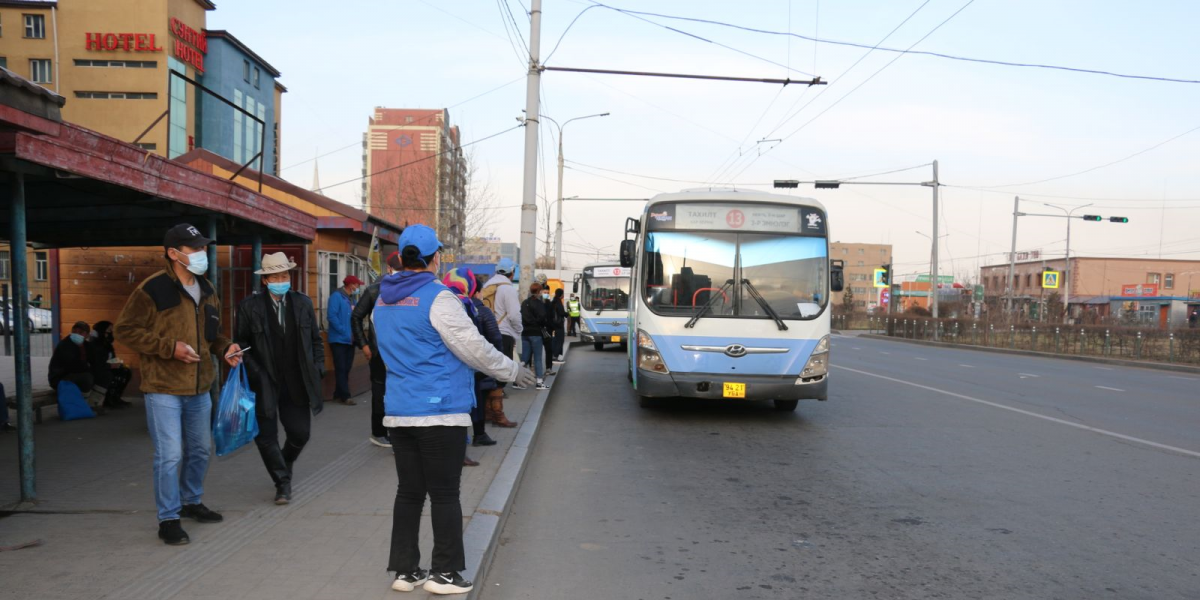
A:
488	297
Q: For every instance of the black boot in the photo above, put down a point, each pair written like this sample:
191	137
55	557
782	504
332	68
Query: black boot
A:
278	469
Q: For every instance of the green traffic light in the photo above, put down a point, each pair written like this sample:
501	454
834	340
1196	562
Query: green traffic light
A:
1119	219
1092	218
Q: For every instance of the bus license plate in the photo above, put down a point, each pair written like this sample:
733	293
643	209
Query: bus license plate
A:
616	339
735	390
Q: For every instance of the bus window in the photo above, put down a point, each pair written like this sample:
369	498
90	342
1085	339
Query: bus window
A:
789	272
684	270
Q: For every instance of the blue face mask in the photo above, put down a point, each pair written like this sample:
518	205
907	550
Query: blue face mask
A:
197	262
77	339
279	289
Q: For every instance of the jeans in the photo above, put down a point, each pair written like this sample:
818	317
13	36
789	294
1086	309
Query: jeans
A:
343	359
428	462
180	427
533	345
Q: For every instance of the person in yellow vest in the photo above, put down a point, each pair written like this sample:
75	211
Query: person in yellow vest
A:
572	315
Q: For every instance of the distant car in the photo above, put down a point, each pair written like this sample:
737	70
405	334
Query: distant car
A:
39	319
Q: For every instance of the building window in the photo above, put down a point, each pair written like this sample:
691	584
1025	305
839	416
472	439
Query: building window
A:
5	257
39	70
860	251
1169	282
1153	277
178	110
246	71
408	119
860	263
238	127
41	266
257	74
127	64
1016	281
35	26
118	95
1028	280
3	62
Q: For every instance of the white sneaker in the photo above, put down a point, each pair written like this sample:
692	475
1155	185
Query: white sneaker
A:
381	441
542	385
407	582
447	583
517	386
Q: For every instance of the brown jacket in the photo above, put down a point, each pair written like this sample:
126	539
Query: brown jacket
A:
158	314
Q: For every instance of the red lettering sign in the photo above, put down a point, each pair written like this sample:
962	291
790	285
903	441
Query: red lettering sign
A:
190	45
129	42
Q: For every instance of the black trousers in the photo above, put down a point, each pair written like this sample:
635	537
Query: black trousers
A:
343	360
429	461
510	344
378	388
572	323
477	413
297	426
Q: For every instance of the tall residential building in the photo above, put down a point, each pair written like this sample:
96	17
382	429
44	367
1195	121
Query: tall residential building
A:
414	171
112	60
861	261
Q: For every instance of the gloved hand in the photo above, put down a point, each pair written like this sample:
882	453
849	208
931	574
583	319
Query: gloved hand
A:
525	377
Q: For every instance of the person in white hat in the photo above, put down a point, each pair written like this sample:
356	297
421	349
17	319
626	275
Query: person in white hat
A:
285	364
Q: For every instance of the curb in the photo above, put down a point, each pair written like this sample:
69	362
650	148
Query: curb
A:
482	533
1091	359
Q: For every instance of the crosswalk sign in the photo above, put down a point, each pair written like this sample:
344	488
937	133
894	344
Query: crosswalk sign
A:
1050	279
879	282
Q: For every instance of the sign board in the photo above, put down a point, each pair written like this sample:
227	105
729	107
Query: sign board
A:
1050	279
942	279
610	272
745	216
1145	290
129	42
885	297
878	278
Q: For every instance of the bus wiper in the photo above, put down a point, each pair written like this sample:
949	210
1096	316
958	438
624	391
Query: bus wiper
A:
763	303
712	299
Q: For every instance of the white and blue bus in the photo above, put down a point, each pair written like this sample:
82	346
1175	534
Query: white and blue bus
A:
603	304
730	297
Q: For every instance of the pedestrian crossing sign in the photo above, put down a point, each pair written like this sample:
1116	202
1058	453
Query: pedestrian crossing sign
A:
880	274
1050	280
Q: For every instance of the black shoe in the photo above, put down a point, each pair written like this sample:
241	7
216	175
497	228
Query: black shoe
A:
283	493
200	513
407	582
447	583
172	533
483	439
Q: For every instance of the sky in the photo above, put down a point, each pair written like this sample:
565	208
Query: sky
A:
996	131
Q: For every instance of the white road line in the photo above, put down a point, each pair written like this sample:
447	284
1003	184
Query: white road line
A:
1104	387
1183	378
1024	375
882	352
919	358
1112	434
858	348
1102	368
967	366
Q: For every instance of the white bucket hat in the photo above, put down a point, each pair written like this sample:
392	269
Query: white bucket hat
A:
275	263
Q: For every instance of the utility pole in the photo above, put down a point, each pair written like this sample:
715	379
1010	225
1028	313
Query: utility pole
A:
1012	256
934	274
529	196
558	245
1067	276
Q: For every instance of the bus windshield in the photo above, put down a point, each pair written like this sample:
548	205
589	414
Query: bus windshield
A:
683	271
606	293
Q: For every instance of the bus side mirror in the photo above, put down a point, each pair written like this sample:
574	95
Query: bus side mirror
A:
628	249
837	275
575	288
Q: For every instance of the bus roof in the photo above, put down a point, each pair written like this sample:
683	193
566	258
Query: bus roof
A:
733	194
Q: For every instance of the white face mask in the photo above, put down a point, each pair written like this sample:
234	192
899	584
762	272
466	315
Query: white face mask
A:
197	262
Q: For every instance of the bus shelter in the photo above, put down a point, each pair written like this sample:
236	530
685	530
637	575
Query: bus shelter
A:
65	186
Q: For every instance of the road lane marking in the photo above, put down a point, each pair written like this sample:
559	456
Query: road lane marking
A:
1112	434
1102	368
1183	378
856	348
1104	387
967	366
882	352
919	358
1024	375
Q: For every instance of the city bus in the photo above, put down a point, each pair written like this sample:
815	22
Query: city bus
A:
730	297
603	304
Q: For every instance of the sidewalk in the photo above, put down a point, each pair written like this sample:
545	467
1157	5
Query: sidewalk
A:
97	521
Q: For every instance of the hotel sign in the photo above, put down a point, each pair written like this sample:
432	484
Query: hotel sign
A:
129	42
190	45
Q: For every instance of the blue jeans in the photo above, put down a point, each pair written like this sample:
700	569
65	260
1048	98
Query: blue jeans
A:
533	345
181	429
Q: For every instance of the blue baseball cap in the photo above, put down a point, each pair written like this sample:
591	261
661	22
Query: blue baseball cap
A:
421	236
505	266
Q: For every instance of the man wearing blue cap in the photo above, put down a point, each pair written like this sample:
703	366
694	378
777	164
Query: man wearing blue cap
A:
431	348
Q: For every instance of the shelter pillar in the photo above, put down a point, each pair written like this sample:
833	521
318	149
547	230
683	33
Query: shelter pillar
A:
20	307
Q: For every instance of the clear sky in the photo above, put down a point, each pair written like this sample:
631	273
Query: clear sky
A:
987	125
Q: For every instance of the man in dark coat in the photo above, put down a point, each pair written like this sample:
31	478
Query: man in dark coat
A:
70	360
108	371
363	336
285	362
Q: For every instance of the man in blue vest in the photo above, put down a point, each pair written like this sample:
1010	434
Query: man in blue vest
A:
430	347
341	343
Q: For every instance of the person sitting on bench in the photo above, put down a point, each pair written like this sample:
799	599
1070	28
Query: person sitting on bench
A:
108	371
70	360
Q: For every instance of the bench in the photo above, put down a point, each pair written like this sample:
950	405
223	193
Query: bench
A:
41	399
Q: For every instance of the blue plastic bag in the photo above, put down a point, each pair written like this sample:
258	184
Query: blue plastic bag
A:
235	425
71	403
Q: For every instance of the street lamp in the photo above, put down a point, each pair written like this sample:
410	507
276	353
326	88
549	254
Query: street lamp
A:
1067	265
558	245
933	283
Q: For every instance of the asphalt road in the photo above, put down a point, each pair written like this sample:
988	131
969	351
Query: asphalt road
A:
999	477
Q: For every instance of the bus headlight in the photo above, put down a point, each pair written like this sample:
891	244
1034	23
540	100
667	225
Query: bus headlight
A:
648	357
818	363
583	326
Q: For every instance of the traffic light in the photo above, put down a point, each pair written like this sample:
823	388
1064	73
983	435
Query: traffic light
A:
1119	219
1092	218
827	184
883	276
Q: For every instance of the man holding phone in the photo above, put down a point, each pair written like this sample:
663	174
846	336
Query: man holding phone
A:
169	320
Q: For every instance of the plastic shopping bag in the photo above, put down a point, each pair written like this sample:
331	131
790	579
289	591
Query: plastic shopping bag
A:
235	425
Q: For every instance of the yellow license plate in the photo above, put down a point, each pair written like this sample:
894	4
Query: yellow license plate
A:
735	390
616	339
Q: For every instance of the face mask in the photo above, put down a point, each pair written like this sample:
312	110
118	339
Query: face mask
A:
545	296
279	289
77	339
197	262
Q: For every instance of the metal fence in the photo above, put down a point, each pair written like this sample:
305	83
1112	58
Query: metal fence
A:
1131	343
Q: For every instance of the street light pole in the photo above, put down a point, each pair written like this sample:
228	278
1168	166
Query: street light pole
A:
934	274
1012	257
1067	272
558	243
529	190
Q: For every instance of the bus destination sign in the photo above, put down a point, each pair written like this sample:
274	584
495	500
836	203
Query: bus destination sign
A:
747	217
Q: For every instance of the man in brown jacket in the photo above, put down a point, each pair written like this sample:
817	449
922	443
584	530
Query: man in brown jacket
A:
171	318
